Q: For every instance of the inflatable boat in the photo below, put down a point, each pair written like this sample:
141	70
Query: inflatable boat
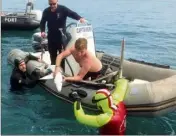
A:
28	20
152	87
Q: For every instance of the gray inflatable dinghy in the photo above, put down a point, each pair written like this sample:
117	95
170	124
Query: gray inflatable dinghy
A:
152	87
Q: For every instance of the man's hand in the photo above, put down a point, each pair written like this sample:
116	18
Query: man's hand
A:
43	34
82	20
57	69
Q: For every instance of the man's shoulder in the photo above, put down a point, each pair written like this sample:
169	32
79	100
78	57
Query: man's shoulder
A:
62	6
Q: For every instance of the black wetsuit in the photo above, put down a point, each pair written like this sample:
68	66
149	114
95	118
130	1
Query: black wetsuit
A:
19	79
56	20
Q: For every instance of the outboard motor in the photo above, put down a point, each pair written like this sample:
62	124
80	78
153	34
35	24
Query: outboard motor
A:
38	42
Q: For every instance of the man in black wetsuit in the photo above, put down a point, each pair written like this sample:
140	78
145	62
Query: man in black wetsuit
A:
55	15
20	78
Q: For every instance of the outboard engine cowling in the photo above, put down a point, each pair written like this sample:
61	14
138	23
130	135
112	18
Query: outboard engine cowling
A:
38	42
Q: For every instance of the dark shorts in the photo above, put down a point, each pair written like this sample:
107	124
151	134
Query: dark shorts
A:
93	75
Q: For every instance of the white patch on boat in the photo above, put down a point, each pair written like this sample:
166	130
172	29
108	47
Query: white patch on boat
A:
134	91
47	77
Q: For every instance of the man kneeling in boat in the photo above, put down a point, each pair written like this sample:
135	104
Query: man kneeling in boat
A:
20	78
90	65
112	120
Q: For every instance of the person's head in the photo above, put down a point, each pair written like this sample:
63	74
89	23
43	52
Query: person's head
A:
53	4
103	100
20	64
81	46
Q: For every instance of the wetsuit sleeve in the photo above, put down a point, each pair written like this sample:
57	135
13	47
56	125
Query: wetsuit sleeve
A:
71	14
24	82
28	82
121	87
43	21
91	120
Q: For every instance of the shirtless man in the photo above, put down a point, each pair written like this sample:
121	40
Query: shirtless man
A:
90	65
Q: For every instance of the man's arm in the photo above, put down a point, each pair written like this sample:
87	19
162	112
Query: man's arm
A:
25	82
59	58
83	71
62	55
72	14
43	21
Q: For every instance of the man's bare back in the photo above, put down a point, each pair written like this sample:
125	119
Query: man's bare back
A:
87	60
89	64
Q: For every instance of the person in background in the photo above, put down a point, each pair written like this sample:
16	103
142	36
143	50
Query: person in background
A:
55	15
112	119
90	65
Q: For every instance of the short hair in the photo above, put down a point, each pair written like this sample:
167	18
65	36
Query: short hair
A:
80	44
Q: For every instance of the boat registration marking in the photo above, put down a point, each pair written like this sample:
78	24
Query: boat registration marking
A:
10	19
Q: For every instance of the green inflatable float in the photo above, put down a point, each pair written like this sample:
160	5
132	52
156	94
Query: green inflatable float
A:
112	120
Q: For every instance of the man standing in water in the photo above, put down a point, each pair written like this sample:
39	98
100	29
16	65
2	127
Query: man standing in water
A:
55	15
